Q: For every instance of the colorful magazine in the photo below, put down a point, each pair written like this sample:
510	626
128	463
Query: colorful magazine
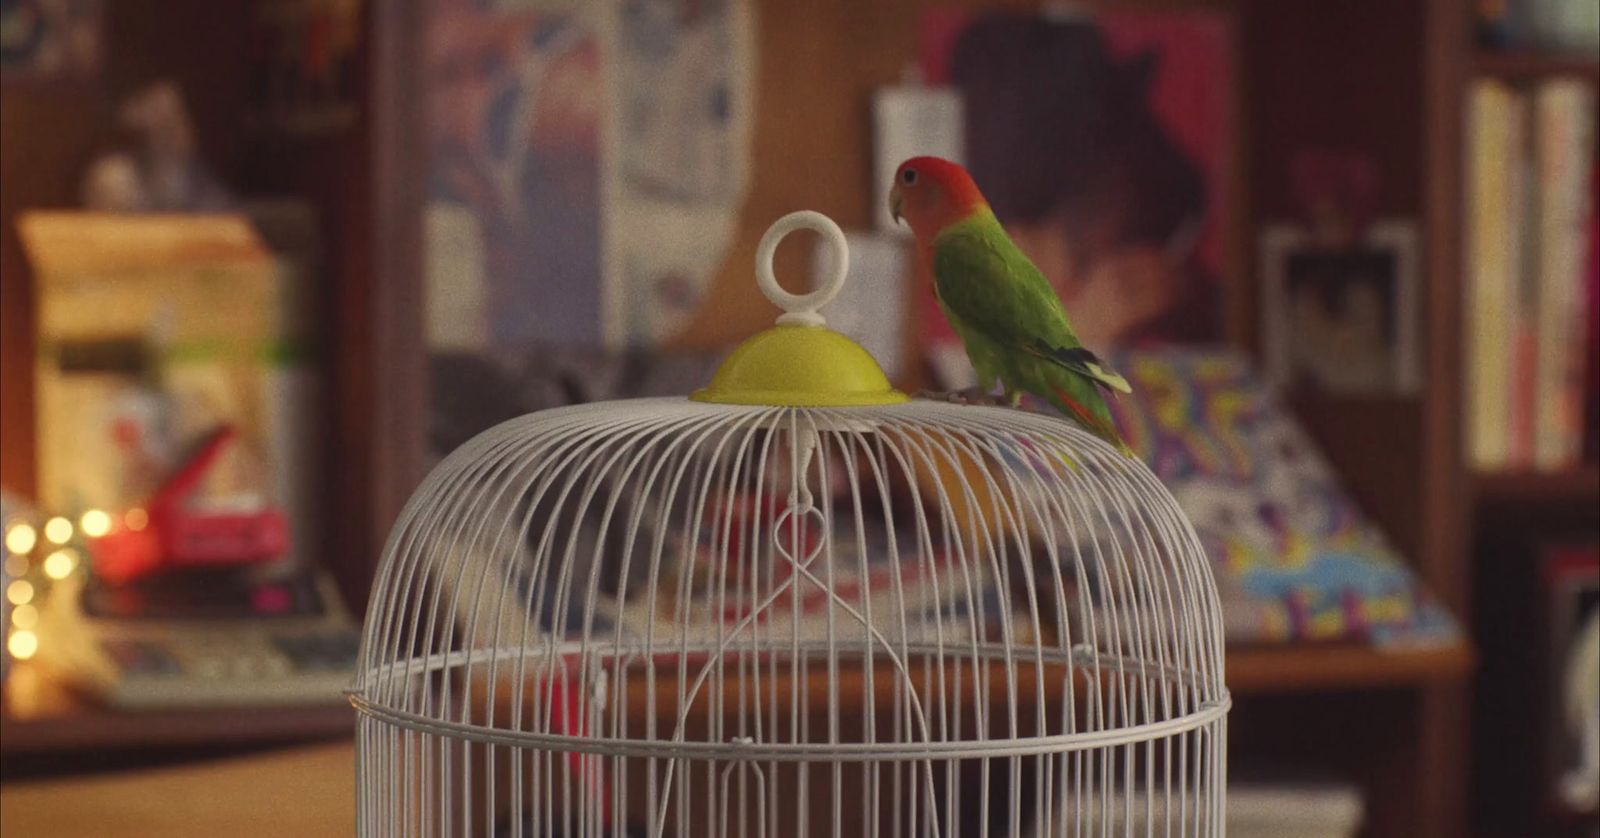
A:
1295	558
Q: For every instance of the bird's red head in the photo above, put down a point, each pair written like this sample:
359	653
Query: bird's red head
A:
931	193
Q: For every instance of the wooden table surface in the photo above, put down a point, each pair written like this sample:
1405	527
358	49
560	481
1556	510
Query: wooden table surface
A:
305	792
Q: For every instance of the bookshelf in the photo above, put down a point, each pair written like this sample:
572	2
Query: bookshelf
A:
1532	64
1403	458
1288	670
1506	515
1574	486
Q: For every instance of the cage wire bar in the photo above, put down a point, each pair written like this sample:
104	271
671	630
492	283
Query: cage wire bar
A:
668	618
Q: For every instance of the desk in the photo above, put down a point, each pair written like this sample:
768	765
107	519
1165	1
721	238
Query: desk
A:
40	715
304	792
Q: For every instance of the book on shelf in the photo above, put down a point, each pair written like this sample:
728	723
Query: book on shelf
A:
1564	158
1493	131
1530	209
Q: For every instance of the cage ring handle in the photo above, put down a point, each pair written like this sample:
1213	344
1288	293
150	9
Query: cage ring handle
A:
802	309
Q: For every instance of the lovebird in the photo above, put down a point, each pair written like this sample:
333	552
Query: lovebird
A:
1008	317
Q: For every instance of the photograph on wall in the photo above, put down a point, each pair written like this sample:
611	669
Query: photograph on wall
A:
1341	319
1104	145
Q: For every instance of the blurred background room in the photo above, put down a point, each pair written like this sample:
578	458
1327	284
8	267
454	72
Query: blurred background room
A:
264	263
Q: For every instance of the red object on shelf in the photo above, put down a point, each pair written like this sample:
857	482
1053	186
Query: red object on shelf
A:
177	536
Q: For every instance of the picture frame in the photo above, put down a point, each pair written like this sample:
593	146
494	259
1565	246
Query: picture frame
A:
1341	319
1571	773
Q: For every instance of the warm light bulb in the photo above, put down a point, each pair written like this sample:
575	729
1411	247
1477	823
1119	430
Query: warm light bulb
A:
136	519
16	565
59	565
20	592
21	538
95	523
25	617
58	530
23	644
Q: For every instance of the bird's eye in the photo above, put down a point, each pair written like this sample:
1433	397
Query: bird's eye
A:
908	177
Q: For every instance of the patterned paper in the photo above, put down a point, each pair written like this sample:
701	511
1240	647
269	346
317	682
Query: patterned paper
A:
1295	558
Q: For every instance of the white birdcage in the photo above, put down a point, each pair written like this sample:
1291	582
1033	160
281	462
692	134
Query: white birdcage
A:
795	603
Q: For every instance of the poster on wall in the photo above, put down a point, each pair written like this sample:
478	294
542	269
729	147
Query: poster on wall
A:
513	117
1103	142
587	162
680	121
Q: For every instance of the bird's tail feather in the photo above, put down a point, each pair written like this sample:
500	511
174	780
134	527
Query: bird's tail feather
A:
1081	360
1100	426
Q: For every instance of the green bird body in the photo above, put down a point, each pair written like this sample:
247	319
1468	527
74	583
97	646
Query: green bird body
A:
1010	321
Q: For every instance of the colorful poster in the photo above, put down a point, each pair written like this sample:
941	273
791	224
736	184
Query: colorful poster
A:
1103	144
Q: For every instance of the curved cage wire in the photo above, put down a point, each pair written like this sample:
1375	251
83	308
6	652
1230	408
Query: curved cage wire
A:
662	617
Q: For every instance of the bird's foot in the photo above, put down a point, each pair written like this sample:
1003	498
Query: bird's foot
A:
969	396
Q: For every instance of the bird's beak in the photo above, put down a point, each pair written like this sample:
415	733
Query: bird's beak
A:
894	201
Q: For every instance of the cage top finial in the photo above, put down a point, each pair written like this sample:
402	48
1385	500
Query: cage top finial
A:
802	309
800	362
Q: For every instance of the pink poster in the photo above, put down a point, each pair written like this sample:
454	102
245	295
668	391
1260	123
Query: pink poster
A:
1103	144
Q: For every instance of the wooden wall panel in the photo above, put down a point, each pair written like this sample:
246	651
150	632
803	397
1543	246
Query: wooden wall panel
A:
1341	75
44	130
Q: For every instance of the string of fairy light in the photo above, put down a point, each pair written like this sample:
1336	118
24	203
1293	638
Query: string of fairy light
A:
35	556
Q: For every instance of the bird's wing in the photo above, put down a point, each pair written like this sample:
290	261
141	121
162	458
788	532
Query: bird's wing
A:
995	291
1082	361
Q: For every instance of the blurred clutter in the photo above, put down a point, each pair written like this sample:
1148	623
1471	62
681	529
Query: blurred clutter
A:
175	392
267	262
163	172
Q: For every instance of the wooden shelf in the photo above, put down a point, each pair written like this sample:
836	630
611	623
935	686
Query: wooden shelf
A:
1531	64
40	716
1573	487
1265	670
